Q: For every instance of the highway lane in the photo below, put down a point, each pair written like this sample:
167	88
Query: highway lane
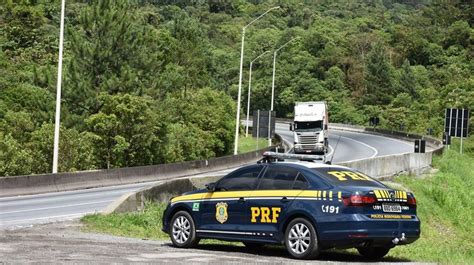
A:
23	211
57	206
350	146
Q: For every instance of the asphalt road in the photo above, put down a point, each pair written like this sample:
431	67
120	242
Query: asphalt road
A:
349	146
21	211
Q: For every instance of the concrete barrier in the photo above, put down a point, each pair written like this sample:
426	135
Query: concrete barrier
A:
135	201
34	184
287	146
42	183
387	166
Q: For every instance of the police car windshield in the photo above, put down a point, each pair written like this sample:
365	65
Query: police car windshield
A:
309	125
346	177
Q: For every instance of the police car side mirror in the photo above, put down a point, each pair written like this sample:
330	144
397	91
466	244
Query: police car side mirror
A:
211	186
291	127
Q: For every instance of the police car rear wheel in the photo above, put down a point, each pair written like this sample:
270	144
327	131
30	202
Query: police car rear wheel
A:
301	240
183	233
373	253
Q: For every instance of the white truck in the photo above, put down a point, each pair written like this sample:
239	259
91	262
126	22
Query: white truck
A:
310	127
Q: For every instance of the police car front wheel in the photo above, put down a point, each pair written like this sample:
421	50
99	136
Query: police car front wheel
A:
301	240
182	231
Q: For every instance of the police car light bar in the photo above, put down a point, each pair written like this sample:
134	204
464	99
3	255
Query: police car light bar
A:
275	155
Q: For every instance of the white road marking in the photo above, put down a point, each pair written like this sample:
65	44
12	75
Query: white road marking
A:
330	152
364	144
56	207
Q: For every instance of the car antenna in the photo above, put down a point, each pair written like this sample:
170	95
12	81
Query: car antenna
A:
334	152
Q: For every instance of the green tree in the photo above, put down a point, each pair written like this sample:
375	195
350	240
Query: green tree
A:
107	55
379	77
205	112
126	131
407	79
335	79
18	124
76	150
459	33
14	159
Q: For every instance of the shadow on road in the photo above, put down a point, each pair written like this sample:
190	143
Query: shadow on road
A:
280	251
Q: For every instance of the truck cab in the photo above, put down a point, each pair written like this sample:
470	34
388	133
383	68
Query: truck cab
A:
310	128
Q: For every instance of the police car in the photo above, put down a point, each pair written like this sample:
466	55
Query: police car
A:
306	206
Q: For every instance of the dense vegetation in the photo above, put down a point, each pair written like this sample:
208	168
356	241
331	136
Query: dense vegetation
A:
444	205
149	82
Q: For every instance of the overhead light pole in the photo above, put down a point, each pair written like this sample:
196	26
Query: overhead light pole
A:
273	89
250	88
237	120
58	90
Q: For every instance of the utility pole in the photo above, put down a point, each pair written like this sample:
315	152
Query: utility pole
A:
250	88
237	120
273	90
58	90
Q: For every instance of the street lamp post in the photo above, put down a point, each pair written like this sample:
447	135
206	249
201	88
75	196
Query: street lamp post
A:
58	90
250	87
273	90
237	120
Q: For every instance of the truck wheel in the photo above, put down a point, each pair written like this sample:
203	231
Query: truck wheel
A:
301	240
182	230
373	253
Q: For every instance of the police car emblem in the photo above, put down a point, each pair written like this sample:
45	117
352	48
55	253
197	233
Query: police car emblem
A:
221	212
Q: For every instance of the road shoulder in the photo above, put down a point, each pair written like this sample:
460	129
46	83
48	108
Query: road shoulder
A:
65	242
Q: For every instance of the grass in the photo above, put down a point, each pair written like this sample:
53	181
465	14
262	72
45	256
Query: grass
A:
446	210
145	224
248	144
445	206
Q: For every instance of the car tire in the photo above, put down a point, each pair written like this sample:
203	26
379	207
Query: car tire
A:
182	230
253	245
301	240
373	253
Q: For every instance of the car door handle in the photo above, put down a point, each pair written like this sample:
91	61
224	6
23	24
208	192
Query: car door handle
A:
284	199
241	200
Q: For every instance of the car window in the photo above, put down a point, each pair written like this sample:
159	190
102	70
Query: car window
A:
300	183
242	179
347	177
278	178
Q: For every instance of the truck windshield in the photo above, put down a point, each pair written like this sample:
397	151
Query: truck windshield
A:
309	125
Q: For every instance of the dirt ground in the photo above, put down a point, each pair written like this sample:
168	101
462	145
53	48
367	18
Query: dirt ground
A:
64	242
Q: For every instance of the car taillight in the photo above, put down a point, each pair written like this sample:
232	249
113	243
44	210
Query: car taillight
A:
359	200
411	201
